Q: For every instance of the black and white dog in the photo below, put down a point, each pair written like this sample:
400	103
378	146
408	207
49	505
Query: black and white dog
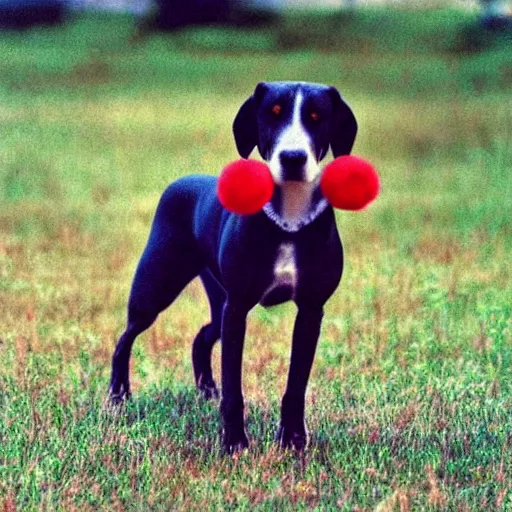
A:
289	251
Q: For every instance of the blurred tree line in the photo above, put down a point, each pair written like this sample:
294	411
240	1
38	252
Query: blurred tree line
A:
174	14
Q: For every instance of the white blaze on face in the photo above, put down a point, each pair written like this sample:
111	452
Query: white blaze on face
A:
292	138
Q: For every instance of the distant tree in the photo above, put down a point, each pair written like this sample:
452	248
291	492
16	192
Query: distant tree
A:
176	14
23	14
497	14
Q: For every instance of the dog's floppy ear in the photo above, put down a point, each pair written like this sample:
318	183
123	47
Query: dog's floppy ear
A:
344	125
245	125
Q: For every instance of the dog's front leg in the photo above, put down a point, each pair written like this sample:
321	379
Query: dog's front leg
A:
232	403
292	431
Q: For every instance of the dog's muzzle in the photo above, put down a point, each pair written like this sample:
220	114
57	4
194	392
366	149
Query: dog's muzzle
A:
293	165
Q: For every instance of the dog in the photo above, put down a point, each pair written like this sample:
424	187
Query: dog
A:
290	250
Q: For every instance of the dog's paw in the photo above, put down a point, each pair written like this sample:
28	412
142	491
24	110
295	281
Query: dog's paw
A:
290	439
117	395
234	444
208	389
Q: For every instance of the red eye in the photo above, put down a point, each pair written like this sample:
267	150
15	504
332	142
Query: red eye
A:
315	116
276	109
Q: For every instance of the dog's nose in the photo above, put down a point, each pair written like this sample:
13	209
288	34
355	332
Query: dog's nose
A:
292	164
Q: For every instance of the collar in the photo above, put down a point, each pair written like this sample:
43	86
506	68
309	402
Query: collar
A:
292	227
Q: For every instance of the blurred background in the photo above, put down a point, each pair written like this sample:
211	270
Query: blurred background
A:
105	101
106	96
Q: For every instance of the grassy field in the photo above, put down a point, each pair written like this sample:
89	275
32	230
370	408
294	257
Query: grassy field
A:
410	402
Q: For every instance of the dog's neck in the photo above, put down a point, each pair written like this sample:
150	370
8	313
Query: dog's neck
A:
295	200
295	205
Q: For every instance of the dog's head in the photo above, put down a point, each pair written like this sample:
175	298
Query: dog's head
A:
293	124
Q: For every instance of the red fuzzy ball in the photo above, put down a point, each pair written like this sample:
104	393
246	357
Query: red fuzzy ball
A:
349	183
244	186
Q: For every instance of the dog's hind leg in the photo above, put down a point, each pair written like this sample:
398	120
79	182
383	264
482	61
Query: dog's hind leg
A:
164	270
207	337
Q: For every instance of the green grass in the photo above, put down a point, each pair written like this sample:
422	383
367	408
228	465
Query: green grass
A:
410	402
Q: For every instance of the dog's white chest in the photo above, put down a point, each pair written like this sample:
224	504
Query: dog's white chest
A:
285	277
285	269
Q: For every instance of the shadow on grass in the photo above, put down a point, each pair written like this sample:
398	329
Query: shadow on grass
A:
191	422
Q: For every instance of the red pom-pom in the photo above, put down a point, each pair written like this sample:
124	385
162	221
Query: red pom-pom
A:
349	183
244	186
